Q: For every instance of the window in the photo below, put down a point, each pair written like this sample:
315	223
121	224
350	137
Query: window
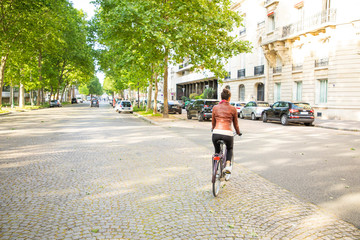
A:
298	96
277	92
242	92
323	91
271	22
260	92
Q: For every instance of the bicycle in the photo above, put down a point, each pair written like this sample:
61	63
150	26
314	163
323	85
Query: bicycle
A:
218	164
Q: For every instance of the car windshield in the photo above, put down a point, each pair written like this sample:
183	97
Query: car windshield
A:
126	104
305	106
211	103
53	101
173	102
263	104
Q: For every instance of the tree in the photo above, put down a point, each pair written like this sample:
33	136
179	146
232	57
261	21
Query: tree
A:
170	31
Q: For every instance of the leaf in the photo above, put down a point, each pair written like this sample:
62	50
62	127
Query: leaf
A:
347	186
87	193
211	211
230	226
353	149
342	179
95	230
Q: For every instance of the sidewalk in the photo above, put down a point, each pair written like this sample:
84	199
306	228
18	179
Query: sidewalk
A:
345	125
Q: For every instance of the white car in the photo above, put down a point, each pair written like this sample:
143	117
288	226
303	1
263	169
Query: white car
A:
254	109
238	105
124	106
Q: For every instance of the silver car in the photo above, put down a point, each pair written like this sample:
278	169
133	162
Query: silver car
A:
124	106
254	109
238	106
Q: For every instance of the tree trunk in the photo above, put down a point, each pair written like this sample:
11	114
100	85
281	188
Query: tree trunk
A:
2	74
69	93
138	93
62	93
32	97
165	91
156	94
21	95
38	100
148	106
12	95
42	96
51	93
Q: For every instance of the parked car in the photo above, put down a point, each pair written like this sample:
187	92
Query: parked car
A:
173	106
73	100
79	100
238	105
253	110
55	103
94	103
188	103
124	106
201	109
285	112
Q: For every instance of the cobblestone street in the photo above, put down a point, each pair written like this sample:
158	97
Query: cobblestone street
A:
89	173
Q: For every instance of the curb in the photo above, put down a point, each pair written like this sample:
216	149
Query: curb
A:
145	119
338	128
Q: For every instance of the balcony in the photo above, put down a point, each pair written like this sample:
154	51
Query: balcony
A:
322	62
277	70
241	73
297	67
311	24
259	70
268	3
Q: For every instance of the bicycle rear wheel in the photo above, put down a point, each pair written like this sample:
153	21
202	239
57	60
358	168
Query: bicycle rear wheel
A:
216	183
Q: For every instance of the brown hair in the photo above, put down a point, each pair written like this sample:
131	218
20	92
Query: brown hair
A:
226	94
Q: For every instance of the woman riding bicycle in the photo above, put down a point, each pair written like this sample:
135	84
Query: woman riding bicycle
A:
223	116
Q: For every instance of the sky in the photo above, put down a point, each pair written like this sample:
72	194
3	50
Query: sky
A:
89	9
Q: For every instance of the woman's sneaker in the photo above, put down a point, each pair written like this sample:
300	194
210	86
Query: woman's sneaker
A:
228	168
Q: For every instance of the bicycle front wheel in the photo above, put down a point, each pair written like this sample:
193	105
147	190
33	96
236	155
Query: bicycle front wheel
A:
216	183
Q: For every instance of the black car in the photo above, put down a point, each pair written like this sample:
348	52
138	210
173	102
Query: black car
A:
73	100
285	112
173	106
201	108
94	103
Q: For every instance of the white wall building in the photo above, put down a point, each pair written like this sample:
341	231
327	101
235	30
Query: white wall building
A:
302	51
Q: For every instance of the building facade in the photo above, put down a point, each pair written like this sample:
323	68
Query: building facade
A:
302	51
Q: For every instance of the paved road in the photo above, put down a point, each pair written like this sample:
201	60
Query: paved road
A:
319	165
81	173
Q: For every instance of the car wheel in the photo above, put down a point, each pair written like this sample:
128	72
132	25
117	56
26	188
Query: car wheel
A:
308	124
188	115
264	117
131	112
284	120
253	117
119	111
241	115
200	117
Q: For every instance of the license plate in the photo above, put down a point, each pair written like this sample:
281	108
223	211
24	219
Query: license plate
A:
304	113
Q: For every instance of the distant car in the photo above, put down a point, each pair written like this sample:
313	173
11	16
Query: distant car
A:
94	103
173	107
73	100
201	109
55	103
79	100
123	106
253	110
238	106
285	112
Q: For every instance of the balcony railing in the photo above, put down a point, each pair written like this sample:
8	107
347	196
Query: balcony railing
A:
241	73
259	70
181	66
297	67
243	32
269	2
277	69
317	20
260	24
322	62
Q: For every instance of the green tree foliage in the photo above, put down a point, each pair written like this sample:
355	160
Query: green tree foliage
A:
94	87
163	31
44	44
